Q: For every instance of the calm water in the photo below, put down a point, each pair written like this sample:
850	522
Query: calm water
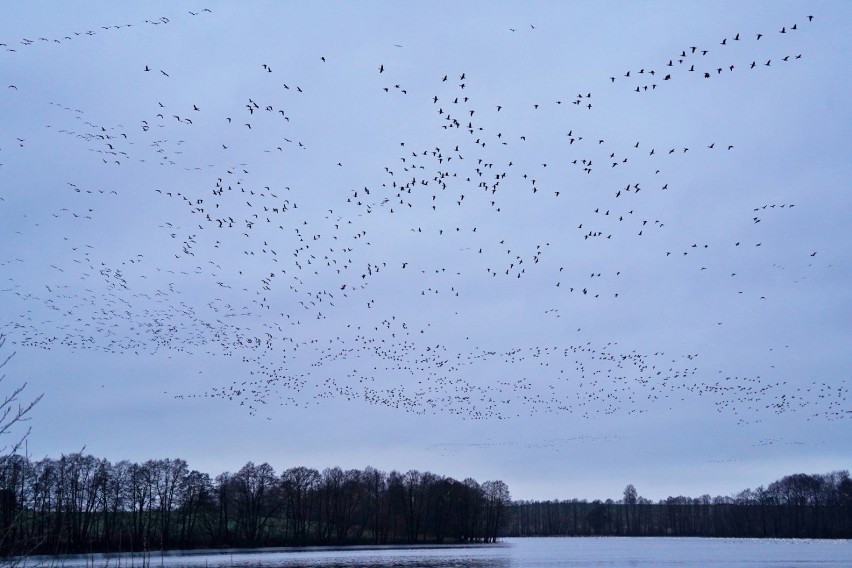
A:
514	553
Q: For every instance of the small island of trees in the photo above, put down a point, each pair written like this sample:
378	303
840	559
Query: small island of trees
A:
80	503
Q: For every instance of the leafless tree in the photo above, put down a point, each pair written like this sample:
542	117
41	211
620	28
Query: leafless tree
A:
13	413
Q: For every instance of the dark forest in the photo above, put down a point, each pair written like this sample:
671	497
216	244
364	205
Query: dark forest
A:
80	503
796	506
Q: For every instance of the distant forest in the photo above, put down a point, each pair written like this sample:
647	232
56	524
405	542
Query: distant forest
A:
79	503
796	506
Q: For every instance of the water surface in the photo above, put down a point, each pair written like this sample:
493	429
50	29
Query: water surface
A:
608	552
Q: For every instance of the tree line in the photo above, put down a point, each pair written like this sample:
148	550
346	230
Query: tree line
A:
796	506
80	503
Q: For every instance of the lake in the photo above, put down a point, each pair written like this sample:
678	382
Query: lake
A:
607	552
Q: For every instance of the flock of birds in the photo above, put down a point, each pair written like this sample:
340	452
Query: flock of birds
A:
688	58
366	284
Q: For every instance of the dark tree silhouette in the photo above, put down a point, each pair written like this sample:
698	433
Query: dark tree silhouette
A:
14	412
796	506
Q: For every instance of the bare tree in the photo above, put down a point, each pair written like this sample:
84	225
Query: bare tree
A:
497	501
631	496
13	413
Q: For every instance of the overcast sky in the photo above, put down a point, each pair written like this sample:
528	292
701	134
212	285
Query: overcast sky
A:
568	245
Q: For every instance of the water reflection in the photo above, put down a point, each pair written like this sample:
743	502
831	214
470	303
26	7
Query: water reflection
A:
496	556
610	552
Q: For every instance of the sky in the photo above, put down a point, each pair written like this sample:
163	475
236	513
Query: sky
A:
567	245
